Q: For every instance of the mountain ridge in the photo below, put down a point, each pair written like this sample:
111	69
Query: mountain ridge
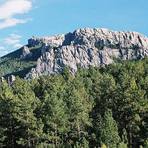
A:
83	47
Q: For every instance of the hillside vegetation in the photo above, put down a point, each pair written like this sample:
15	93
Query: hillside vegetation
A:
97	107
13	64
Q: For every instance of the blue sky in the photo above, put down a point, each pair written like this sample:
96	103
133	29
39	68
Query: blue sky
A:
21	19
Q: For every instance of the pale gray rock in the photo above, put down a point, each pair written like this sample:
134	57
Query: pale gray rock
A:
11	79
25	53
2	79
86	47
53	41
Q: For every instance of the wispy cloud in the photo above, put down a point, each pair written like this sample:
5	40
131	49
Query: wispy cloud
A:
11	22
3	50
10	9
13	40
10	43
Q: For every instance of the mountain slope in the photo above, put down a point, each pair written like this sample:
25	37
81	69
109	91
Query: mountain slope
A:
84	48
17	63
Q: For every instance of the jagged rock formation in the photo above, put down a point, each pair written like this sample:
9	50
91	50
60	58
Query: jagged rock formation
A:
25	52
86	47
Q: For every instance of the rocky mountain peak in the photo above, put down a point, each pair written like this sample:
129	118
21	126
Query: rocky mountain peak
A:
47	41
86	47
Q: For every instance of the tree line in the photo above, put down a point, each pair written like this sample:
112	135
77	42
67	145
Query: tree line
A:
97	107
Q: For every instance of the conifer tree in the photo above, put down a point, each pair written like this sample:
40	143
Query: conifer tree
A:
53	113
109	131
79	107
8	123
29	126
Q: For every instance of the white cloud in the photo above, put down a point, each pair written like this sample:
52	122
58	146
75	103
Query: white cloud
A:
10	9
3	51
13	40
18	45
11	22
10	43
13	7
2	48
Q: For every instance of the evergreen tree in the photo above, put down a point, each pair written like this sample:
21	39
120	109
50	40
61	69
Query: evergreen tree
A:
81	110
8	123
30	128
131	103
109	131
53	114
78	110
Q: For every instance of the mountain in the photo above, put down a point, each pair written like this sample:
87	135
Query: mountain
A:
90	107
84	47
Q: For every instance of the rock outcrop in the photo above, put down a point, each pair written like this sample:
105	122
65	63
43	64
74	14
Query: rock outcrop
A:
86	47
25	53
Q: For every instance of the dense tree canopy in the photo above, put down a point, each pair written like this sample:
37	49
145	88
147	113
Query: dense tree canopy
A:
98	107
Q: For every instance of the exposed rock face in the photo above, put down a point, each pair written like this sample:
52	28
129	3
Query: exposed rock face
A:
25	52
11	79
87	47
47	41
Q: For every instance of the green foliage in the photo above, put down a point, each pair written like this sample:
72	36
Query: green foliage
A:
122	145
146	143
13	64
9	66
26	103
98	107
109	130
